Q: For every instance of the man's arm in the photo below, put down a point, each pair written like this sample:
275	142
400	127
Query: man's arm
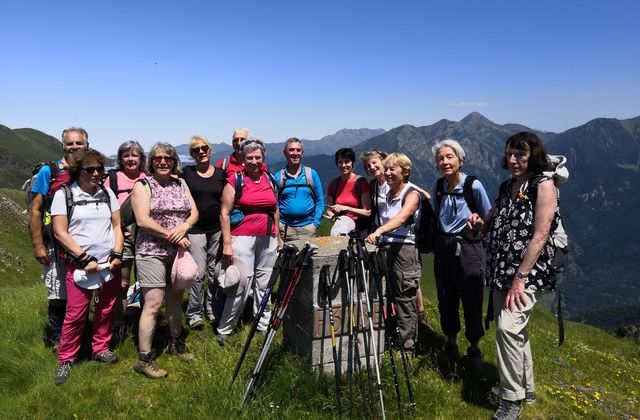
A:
40	251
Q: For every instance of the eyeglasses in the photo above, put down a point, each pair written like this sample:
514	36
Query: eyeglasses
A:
158	159
203	149
239	139
92	169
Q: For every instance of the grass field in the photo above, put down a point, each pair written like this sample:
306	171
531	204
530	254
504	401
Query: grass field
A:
593	375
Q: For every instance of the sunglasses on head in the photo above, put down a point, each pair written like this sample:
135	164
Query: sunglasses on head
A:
92	169
158	159
203	149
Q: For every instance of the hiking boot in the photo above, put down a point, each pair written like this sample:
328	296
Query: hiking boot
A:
474	360
508	410
106	357
63	372
221	339
178	348
529	398
450	354
196	323
148	366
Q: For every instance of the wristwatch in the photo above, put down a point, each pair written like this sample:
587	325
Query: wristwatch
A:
522	274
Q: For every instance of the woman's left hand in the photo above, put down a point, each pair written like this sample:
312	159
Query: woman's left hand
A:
177	233
339	208
475	222
516	296
115	264
185	243
92	267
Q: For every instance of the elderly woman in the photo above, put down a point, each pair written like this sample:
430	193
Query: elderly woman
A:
396	233
130	165
520	221
165	212
206	184
86	222
348	200
459	262
251	238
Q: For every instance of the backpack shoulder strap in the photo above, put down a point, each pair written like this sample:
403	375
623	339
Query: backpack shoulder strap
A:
439	191
239	184
333	189
68	199
309	178
274	183
54	168
283	180
358	187
106	197
467	193
225	163
113	180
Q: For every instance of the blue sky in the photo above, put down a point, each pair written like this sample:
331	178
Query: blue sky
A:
165	70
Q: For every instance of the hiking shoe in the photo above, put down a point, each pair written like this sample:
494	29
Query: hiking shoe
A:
178	348
221	339
508	410
106	357
474	360
450	354
63	372
148	366
529	398
196	323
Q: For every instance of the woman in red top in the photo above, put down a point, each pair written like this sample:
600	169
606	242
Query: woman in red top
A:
250	236
348	196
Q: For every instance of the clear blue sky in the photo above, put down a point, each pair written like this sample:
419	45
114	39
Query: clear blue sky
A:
164	70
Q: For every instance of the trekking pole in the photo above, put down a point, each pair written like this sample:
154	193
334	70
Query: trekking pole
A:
354	328
285	253
363	258
328	286
302	261
387	337
382	263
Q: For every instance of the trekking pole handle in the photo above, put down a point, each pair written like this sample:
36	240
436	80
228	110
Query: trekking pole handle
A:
308	252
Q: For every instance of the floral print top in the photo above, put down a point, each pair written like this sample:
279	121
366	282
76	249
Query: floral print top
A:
169	206
511	231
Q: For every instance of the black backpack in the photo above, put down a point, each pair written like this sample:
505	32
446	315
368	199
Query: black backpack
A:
426	229
467	193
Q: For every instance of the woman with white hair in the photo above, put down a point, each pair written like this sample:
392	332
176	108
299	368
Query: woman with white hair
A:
459	262
250	235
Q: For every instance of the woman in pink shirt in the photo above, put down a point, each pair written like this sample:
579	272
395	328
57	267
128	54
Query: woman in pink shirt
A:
130	168
250	235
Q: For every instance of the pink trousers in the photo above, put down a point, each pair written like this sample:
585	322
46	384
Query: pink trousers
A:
76	317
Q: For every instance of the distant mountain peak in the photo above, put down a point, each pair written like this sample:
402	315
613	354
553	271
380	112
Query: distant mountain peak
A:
476	117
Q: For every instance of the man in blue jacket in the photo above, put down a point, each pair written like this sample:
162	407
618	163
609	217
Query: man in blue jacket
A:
300	201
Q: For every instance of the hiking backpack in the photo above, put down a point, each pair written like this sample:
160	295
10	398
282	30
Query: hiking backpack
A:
357	189
308	177
467	193
28	184
426	227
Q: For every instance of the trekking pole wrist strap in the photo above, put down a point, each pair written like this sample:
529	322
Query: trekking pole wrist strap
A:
86	260
115	255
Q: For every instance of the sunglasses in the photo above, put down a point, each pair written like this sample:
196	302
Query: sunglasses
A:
203	149
239	139
92	169
158	159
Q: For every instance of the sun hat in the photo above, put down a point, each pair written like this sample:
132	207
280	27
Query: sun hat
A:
342	226
184	271
233	278
93	280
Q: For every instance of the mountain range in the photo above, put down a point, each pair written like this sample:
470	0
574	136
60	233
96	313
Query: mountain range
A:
599	202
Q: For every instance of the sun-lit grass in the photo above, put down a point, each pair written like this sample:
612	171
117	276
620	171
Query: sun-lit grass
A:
592	375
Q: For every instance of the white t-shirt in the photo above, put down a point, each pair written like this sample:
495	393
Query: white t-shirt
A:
90	225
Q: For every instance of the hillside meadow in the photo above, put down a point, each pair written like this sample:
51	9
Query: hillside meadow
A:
593	375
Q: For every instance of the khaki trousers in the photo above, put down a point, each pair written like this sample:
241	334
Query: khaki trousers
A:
515	364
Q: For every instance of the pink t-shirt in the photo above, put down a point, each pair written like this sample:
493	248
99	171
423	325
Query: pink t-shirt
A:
345	194
125	185
254	197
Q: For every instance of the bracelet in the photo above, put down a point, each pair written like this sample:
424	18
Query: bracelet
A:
87	260
81	256
116	255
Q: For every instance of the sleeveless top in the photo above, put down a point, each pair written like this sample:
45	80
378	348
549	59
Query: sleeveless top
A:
169	206
511	232
405	233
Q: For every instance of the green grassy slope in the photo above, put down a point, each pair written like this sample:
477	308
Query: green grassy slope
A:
21	149
592	375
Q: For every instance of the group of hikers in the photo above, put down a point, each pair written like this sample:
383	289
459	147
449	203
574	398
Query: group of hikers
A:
232	217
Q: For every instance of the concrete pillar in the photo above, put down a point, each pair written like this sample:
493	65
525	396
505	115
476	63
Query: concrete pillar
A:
306	324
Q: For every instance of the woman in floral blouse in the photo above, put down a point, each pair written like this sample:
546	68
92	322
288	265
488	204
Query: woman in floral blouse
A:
520	256
165	211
